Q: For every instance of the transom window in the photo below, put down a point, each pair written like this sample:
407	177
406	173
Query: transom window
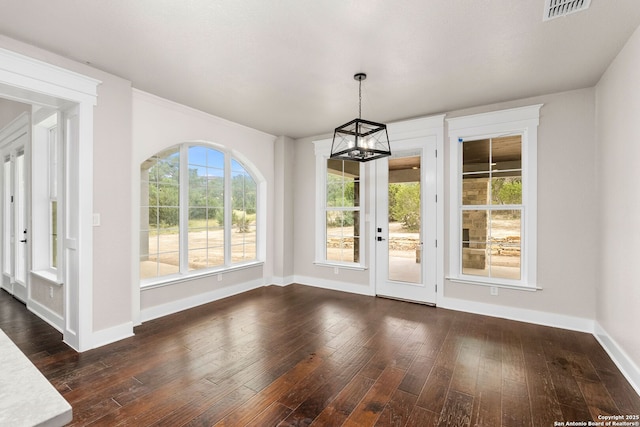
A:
198	213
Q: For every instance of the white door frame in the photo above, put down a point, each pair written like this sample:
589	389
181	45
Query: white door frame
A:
32	81
423	291
432	126
14	138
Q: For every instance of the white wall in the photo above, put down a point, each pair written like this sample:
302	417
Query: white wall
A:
283	245
159	124
567	216
112	253
618	134
9	110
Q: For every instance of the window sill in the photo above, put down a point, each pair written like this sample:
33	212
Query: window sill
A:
48	275
178	278
465	281
340	265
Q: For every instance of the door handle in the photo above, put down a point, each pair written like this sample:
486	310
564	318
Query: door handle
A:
23	241
380	239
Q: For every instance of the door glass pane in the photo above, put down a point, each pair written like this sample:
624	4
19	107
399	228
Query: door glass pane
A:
405	249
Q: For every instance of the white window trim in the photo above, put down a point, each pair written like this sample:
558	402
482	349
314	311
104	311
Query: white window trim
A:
524	121
322	152
228	266
46	189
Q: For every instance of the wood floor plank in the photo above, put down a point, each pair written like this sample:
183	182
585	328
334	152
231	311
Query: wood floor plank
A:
621	391
542	394
487	409
512	357
465	373
300	355
222	407
271	393
566	387
421	417
487	402
373	403
570	413
345	402
457	410
435	390
516	407
398	409
598	399
315	403
581	366
417	375
271	416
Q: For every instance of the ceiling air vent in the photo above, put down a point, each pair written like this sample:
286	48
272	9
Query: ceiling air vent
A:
557	8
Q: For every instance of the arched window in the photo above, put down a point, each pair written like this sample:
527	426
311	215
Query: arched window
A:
198	213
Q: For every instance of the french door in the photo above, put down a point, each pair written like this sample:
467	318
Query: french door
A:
14	215
405	234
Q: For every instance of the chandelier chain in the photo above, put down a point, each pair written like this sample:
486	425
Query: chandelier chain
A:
360	99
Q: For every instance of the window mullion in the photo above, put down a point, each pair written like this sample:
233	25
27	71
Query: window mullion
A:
184	209
228	214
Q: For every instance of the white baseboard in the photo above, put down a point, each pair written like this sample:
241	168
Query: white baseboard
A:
519	314
112	334
281	281
196	300
334	285
46	314
622	360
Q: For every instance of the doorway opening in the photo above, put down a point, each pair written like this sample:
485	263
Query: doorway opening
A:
32	208
14	146
45	86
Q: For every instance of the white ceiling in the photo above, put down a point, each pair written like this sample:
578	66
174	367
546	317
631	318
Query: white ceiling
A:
286	66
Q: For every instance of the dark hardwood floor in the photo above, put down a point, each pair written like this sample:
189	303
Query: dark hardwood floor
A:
298	355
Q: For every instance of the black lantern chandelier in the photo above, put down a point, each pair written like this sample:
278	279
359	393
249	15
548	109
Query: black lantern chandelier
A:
360	140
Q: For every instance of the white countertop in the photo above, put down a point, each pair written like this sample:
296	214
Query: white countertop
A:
26	396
